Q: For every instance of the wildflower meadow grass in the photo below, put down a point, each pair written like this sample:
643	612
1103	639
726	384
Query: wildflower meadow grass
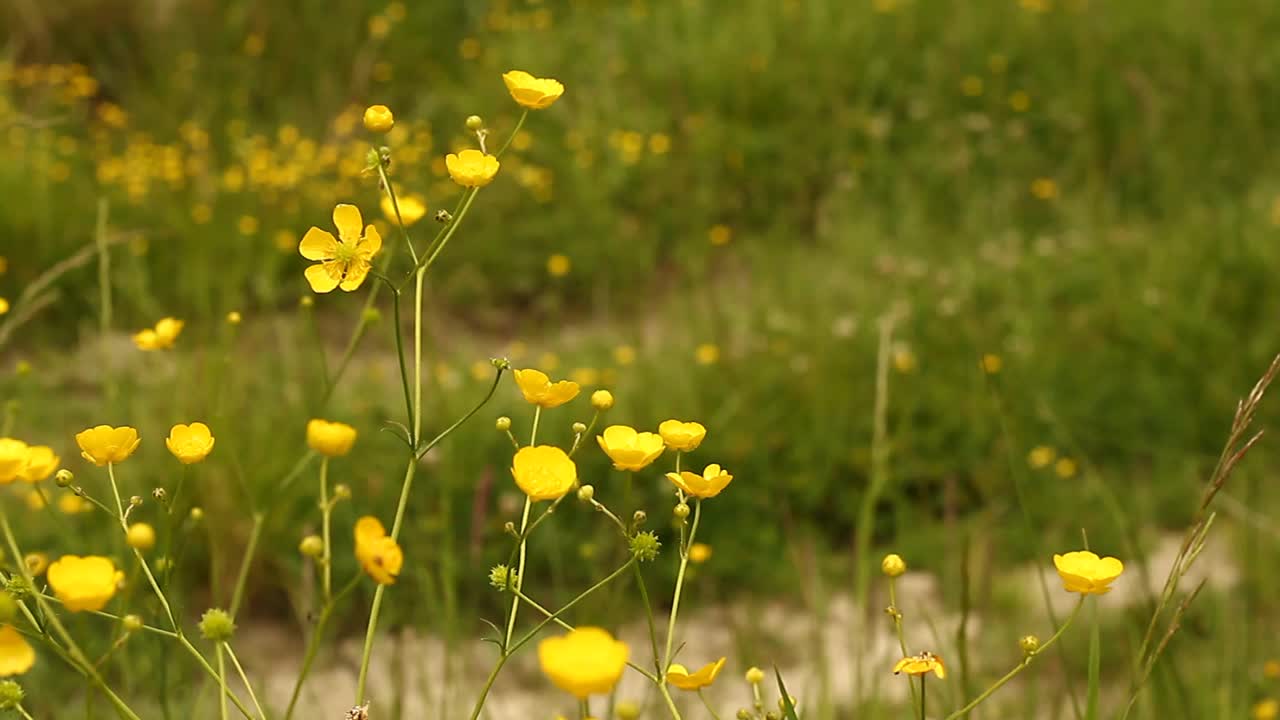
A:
557	359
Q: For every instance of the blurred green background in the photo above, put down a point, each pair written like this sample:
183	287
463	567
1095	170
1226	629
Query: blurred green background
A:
1057	221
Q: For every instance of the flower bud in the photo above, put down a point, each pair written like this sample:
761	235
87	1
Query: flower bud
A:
11	695
160	494
500	576
64	478
311	546
627	710
639	517
444	217
579	428
197	514
602	400
378	119
503	424
135	501
755	675
37	563
500	363
745	714
371	316
1030	644
131	623
681	511
306	301
645	546
141	537
341	492
216	625
893	565
233	318
474	122
586	492
510	528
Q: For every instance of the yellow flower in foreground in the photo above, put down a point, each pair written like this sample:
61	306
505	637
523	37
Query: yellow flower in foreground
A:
83	583
587	661
332	439
42	461
471	168
532	92
699	553
377	552
378	118
628	449
105	445
544	472
538	389
16	654
1085	573
190	443
13	459
412	208
684	436
707	485
680	676
922	664
343	262
161	337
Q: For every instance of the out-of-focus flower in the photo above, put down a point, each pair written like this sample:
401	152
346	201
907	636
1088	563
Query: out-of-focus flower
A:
628	449
16	654
331	439
587	661
1085	573
680	676
922	664
106	445
14	456
141	536
83	583
1041	456
161	337
343	262
190	443
544	472
412	208
378	553
532	92
699	553
558	265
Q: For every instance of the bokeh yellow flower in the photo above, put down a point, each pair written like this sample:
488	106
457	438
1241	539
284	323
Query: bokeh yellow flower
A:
1041	456
72	504
680	676
1271	669
141	536
538	389
331	439
190	443
707	485
378	553
36	562
412	208
922	664
1085	573
558	265
532	92
587	661
343	262
83	583
628	449
14	455
471	168
1065	468
42	461
161	337
544	472
719	235
106	445
1268	709
680	435
4	306
378	119
707	354
16	654
991	364
699	553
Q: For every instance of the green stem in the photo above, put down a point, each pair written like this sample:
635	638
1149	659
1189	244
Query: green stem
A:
584	709
924	697
242	578
523	548
707	705
245	679
648	613
468	197
1026	661
326	512
902	639
512	136
357	335
146	570
395	205
548	614
675	599
222	681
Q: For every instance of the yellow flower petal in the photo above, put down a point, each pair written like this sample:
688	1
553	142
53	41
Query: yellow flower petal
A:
16	654
318	244
322	278
349	223
357	270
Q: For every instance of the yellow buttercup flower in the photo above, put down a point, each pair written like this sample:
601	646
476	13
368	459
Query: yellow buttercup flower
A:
83	583
106	445
683	436
587	661
471	168
1085	573
1268	709
16	654
538	389
378	119
922	664
13	459
412	208
331	439
42	462
707	485
161	337
680	676
4	306
699	553
377	552
544	472
141	536
190	443
343	262
1041	456
532	92
628	449
72	504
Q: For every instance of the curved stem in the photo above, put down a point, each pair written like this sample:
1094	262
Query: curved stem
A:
313	645
1020	666
245	679
524	526
146	570
675	600
395	205
242	577
707	705
512	136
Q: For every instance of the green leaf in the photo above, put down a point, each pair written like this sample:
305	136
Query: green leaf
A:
788	707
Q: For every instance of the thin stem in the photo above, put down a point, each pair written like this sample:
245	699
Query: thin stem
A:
675	599
584	709
242	578
245	679
707	705
313	645
1026	661
548	614
902	640
326	512
222	681
648	613
146	570
524	526
395	205
512	136
211	672
924	696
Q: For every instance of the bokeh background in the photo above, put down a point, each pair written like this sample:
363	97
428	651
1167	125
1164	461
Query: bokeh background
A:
1053	225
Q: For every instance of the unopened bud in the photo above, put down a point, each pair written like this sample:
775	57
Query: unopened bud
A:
579	428
341	491
135	501
639	517
681	511
755	675
131	623
602	400
64	478
502	424
233	318
160	494
311	546
893	565
444	217
141	537
1029	644
586	492
197	514
474	122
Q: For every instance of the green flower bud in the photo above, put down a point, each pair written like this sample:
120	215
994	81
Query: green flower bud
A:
627	710
1030	644
745	714
131	623
579	428
216	625
500	576
645	546
11	695
312	546
586	492
682	511
503	424
197	514
474	122
341	492
64	478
